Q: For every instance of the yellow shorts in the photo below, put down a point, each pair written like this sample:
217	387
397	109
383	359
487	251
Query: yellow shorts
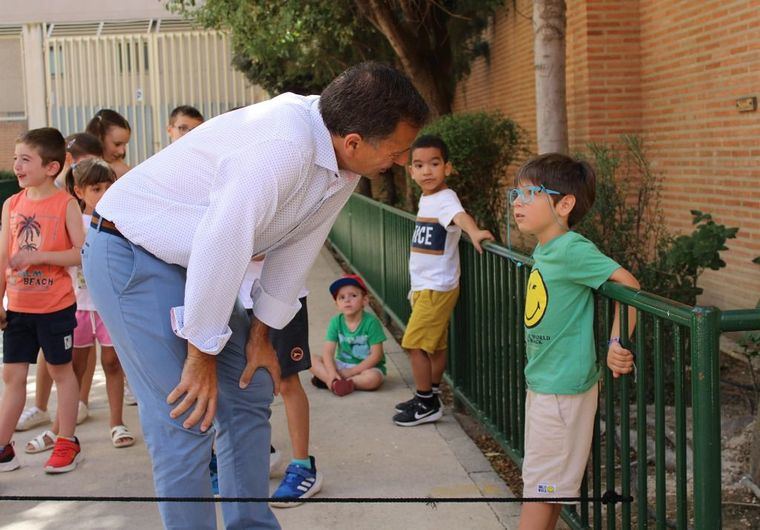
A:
553	465
428	326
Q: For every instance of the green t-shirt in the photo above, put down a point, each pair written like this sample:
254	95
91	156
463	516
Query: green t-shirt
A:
354	346
559	314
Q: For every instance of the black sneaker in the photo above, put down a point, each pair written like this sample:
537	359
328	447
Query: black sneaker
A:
409	404
419	413
317	382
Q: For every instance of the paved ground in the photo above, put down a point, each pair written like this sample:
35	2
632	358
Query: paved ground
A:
359	450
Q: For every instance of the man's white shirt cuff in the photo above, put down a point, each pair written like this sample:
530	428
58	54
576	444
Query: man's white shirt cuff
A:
210	345
271	311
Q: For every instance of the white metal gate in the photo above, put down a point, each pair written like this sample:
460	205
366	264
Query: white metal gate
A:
143	76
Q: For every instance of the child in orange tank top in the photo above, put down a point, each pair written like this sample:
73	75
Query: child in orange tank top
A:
41	234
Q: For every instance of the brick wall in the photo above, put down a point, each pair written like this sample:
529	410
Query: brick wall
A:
9	131
697	58
505	82
670	71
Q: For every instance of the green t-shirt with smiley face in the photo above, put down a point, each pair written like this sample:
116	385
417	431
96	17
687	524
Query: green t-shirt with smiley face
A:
559	314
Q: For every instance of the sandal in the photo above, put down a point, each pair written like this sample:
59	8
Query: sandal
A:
121	437
44	441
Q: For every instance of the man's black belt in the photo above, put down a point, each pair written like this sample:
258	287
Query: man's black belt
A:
104	225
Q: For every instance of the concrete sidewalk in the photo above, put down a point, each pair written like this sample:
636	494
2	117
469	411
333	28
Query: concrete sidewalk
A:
357	447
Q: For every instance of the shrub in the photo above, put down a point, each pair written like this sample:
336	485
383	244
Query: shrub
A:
629	226
481	147
6	174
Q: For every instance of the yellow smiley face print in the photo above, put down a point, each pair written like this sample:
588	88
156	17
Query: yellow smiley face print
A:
536	299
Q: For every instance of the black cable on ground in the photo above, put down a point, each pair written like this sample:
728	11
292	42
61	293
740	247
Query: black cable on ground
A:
609	497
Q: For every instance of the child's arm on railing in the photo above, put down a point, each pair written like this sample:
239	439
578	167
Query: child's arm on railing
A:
374	357
465	221
619	359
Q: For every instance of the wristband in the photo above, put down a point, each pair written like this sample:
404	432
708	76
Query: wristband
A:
613	340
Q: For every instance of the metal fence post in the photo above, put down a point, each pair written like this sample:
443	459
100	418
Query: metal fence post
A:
705	332
382	255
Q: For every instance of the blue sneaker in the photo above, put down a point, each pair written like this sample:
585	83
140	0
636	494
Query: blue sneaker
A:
298	483
214	475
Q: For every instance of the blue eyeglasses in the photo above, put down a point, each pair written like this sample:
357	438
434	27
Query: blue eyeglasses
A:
527	194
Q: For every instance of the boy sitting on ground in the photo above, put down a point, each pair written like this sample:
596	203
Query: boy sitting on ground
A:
353	353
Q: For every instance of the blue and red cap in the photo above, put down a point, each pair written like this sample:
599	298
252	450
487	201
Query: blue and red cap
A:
348	279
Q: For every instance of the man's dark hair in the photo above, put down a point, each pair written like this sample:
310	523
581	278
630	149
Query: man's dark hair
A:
187	110
371	99
566	175
49	144
430	140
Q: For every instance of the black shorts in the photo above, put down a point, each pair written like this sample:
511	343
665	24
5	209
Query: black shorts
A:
26	333
292	343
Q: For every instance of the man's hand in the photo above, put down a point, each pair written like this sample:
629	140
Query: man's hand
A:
260	354
198	384
619	360
480	235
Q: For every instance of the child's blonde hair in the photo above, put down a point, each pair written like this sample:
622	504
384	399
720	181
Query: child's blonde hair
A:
88	173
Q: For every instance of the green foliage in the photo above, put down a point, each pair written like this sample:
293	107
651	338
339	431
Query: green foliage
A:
629	226
689	255
750	345
481	147
290	45
301	45
6	174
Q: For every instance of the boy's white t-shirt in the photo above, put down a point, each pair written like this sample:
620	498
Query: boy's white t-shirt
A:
253	273
84	300
434	259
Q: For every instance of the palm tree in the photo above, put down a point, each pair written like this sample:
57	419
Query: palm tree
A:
28	228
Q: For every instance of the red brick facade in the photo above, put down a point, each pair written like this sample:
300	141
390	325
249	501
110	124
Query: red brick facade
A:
670	71
9	131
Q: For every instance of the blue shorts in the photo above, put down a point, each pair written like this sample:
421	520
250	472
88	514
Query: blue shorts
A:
26	333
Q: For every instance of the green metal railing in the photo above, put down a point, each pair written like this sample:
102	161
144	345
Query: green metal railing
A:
486	361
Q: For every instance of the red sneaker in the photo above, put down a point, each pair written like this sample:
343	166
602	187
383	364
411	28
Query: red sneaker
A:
66	455
8	460
342	387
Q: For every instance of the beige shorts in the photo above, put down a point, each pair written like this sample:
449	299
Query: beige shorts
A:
558	433
428	326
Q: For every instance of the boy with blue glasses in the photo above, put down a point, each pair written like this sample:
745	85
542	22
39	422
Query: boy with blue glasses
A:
553	194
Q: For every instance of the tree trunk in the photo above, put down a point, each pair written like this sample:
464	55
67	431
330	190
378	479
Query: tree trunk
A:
549	24
423	61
